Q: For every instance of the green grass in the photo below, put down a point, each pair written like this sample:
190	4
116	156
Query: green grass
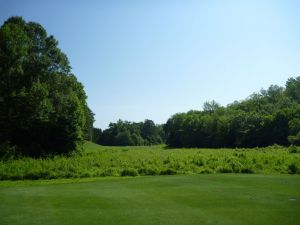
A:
102	161
82	196
196	199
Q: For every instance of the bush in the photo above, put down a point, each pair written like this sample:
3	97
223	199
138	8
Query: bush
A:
234	163
247	170
293	149
206	171
129	172
224	169
110	172
295	140
198	161
148	171
168	172
292	168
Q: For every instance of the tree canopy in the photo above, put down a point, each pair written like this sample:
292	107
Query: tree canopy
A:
269	117
124	133
43	106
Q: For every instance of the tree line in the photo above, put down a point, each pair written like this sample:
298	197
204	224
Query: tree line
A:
268	117
125	133
43	107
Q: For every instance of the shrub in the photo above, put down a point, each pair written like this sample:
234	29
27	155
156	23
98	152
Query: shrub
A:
295	140
206	171
129	172
247	170
292	168
224	169
168	172
293	149
110	172
198	161
148	171
234	164
85	173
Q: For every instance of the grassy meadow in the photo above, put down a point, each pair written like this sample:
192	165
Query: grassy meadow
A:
103	161
215	199
107	185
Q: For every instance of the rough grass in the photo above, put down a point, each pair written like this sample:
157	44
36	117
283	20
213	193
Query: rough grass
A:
212	199
102	161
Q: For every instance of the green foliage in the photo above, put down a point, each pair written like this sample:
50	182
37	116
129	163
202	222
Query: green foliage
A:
168	172
97	133
294	149
293	88
98	161
293	168
266	118
124	133
43	106
129	172
295	139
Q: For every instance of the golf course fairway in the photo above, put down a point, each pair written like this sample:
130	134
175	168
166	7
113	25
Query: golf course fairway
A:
233	199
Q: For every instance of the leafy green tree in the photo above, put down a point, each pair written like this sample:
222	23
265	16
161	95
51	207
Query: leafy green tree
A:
294	128
211	106
124	139
293	88
150	132
130	133
43	106
97	135
265	118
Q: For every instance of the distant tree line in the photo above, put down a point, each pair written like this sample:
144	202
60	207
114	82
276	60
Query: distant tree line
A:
43	107
124	133
269	117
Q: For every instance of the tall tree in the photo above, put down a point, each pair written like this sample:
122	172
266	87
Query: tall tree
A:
43	106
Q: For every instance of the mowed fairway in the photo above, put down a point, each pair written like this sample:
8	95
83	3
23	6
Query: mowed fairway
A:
196	199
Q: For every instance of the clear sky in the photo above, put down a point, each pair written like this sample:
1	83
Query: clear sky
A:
152	59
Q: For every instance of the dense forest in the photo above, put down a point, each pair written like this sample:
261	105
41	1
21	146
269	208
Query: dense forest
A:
269	117
43	107
125	133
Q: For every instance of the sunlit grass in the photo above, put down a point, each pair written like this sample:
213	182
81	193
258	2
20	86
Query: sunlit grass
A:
210	199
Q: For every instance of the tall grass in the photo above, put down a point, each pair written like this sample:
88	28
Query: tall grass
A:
97	161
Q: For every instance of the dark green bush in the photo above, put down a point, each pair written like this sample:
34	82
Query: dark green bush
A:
225	169
148	171
129	172
247	170
168	172
293	149
206	171
292	168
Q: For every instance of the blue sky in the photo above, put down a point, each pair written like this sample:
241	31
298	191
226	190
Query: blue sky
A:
152	59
